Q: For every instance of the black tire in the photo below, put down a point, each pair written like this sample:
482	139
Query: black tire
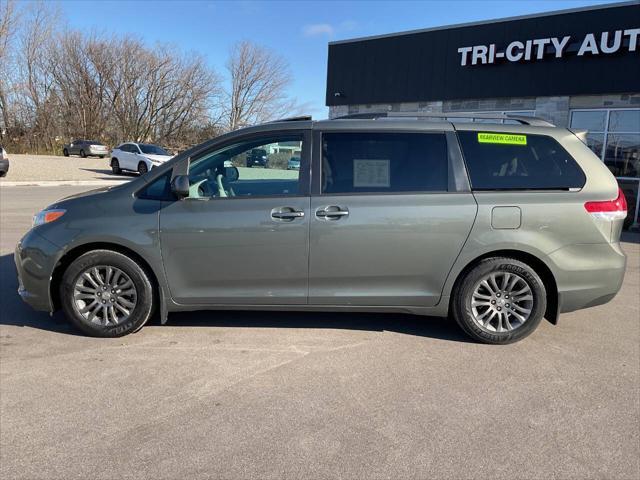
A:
140	313
82	154
462	309
142	168
65	152
101	156
115	166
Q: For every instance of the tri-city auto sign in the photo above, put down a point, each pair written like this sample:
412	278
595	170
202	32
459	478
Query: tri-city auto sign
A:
593	44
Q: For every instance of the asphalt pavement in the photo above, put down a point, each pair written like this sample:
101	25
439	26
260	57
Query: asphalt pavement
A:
324	395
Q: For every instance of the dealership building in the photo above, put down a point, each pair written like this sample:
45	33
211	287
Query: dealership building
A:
577	68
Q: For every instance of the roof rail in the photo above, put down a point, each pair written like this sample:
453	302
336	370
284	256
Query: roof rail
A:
302	118
533	121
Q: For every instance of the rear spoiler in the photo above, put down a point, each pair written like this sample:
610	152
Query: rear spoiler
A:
581	134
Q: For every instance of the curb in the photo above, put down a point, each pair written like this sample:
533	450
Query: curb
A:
64	183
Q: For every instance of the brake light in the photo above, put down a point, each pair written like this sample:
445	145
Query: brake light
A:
609	209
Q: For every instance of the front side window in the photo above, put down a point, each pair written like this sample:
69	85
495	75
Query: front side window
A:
254	167
384	163
513	161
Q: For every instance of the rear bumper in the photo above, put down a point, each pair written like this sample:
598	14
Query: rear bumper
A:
588	274
35	259
93	151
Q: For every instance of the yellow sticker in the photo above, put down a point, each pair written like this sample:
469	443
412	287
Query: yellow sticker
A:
502	138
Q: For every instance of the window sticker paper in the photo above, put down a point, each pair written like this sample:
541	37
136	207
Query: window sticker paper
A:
371	173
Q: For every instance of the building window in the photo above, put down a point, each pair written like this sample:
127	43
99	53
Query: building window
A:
614	135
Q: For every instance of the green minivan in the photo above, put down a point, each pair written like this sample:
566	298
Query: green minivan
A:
496	223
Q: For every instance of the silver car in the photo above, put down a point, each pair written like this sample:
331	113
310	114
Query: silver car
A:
85	148
495	225
4	162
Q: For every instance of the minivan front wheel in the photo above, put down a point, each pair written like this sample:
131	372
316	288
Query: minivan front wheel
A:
500	300
106	294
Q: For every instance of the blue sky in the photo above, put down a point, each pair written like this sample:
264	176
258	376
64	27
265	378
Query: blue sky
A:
297	30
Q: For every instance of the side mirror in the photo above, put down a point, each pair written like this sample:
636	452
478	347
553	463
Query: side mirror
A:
180	186
231	174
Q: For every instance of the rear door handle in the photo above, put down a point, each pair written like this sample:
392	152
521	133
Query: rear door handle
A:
332	212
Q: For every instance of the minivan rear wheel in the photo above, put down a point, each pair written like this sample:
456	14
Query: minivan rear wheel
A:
500	300
106	294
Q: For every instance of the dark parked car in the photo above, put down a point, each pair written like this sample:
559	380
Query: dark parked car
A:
4	162
257	158
85	148
495	225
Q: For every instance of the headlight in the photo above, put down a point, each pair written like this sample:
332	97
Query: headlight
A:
46	216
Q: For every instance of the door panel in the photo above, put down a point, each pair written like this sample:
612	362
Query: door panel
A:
123	158
388	250
391	212
237	250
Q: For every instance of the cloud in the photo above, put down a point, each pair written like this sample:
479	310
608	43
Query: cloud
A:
317	29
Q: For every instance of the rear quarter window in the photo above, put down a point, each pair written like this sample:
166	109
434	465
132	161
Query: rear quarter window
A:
515	161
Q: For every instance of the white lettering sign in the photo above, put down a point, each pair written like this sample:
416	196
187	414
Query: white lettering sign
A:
536	49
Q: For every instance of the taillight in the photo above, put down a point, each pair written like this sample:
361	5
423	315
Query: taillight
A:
609	209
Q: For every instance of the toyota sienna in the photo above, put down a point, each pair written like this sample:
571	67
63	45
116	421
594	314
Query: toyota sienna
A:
496	225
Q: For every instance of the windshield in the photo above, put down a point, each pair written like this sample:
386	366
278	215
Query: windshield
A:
152	149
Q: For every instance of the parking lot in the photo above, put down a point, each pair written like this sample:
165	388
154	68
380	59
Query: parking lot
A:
300	395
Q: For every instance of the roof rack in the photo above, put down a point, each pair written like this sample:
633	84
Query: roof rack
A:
532	121
302	118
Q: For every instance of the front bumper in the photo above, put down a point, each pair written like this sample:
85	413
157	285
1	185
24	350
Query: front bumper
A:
35	259
588	274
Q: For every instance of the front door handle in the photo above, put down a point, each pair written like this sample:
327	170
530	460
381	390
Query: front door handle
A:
332	212
286	213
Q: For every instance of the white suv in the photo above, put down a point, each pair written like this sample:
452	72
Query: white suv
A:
137	157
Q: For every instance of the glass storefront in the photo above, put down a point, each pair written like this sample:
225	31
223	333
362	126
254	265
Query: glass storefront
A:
614	135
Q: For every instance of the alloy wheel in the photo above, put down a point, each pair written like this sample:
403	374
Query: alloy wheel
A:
105	295
501	302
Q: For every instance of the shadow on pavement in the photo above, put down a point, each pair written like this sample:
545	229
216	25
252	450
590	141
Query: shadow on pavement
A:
432	327
107	171
14	311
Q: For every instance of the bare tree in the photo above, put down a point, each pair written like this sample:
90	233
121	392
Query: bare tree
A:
259	79
36	94
57	84
157	95
8	26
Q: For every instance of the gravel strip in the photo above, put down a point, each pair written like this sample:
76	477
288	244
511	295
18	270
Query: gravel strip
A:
49	167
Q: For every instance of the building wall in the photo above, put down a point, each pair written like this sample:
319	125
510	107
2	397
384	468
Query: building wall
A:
554	109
